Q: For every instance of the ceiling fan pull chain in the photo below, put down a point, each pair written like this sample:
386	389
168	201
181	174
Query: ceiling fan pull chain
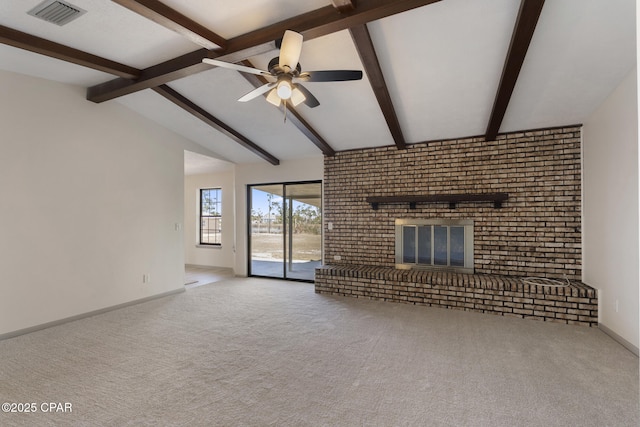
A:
285	111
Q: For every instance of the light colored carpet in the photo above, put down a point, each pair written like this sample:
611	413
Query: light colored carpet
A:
198	275
264	352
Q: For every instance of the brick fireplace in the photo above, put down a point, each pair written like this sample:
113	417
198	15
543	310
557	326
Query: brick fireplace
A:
533	230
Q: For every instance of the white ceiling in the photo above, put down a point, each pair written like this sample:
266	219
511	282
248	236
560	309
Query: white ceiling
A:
442	64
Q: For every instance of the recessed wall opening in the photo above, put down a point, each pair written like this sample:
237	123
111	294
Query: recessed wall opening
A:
434	244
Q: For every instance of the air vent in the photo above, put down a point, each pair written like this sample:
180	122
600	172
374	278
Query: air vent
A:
56	12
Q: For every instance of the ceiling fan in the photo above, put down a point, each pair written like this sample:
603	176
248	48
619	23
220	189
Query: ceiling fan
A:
288	74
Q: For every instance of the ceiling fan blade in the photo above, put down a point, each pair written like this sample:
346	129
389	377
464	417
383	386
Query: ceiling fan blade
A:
311	100
257	92
331	75
236	67
290	49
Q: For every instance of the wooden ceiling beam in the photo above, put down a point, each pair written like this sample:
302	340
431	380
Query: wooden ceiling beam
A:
344	6
293	115
214	122
48	48
318	23
364	46
165	72
298	121
158	12
525	26
175	21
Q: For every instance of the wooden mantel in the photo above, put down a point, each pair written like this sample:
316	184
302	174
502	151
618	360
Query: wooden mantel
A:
452	199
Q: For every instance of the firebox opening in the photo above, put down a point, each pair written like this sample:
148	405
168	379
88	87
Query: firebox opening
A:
434	244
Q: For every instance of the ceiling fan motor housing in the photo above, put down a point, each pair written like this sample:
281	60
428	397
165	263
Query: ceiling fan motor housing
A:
274	68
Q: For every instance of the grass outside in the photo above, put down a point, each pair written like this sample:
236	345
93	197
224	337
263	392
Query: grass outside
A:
306	247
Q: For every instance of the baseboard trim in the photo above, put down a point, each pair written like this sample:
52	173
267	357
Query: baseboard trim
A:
626	344
208	266
88	314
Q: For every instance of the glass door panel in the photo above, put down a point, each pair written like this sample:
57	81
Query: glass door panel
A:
424	244
266	233
440	246
285	237
456	250
304	230
409	244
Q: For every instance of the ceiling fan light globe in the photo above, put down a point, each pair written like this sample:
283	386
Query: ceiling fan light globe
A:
284	90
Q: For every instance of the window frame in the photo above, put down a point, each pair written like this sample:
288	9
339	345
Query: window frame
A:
202	217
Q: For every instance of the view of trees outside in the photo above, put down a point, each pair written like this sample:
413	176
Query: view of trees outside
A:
211	216
267	216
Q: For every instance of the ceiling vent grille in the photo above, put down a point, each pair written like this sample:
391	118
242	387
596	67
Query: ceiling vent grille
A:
56	12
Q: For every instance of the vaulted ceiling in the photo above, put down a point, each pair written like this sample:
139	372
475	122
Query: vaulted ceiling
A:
433	69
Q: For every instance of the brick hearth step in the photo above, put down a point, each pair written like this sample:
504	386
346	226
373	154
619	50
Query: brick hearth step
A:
575	303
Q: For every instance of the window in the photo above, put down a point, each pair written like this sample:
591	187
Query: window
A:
435	244
210	216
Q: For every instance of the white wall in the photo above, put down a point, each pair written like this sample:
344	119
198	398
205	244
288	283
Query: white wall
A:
89	198
610	209
214	256
311	169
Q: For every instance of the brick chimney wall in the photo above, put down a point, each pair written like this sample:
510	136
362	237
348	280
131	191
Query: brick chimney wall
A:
537	232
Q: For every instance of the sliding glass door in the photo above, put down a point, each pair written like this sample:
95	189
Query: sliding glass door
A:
285	232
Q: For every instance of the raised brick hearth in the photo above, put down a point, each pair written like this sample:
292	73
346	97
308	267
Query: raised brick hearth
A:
485	293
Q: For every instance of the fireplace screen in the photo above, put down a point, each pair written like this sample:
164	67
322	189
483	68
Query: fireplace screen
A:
435	244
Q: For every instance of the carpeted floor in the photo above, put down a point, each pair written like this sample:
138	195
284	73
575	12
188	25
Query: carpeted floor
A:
198	275
264	352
